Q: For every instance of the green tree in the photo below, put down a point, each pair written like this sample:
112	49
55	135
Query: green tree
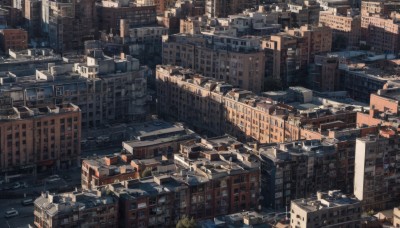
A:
186	222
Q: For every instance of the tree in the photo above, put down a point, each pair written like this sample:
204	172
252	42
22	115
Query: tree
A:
186	222
146	172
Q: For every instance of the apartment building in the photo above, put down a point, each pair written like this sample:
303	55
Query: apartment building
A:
331	208
16	39
296	170
215	8
105	89
39	138
378	8
152	201
293	50
213	106
76	209
110	14
376	176
396	217
384	108
67	24
346	27
215	177
156	139
324	74
381	34
305	13
281	58
143	43
28	60
100	171
237	61
32	17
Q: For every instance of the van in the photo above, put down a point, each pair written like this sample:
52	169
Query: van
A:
27	202
11	213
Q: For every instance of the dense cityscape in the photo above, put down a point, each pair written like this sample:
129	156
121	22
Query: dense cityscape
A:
200	113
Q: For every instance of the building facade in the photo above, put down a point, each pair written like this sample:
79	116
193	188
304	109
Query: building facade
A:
330	208
39	138
376	176
76	209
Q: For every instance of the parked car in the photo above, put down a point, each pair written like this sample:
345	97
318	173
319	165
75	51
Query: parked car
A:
17	185
11	213
27	202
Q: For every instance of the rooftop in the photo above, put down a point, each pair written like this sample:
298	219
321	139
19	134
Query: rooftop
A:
66	203
325	201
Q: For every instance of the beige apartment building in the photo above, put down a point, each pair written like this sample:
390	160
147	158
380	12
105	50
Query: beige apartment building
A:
342	26
328	209
237	61
381	34
219	108
39	137
289	52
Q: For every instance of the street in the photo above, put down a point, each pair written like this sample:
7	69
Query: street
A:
25	213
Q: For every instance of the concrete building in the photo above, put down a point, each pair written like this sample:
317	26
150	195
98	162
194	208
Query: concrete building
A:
101	171
16	39
376	176
214	177
215	8
296	170
324	74
156	139
396	217
28	60
238	61
330	208
381	34
110	14
345	28
303	13
39	138
76	209
106	89
293	50
67	24
32	17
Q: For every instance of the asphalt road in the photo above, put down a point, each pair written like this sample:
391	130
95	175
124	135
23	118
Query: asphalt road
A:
24	218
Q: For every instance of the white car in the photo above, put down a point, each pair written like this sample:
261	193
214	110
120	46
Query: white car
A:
11	213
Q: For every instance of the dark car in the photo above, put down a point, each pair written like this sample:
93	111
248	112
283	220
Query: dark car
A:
27	202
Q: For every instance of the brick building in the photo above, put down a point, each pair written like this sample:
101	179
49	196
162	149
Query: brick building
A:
216	107
238	61
330	208
39	137
346	27
16	39
111	12
106	170
76	209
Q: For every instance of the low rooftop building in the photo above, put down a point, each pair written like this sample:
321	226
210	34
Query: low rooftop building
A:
76	209
101	171
330	208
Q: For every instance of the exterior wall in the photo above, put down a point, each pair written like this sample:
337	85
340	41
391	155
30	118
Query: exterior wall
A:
384	104
109	17
49	140
376	182
241	69
16	39
347	27
381	34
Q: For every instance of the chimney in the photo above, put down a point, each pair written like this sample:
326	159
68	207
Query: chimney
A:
319	195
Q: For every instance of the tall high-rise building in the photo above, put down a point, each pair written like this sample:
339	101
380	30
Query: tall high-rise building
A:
377	176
